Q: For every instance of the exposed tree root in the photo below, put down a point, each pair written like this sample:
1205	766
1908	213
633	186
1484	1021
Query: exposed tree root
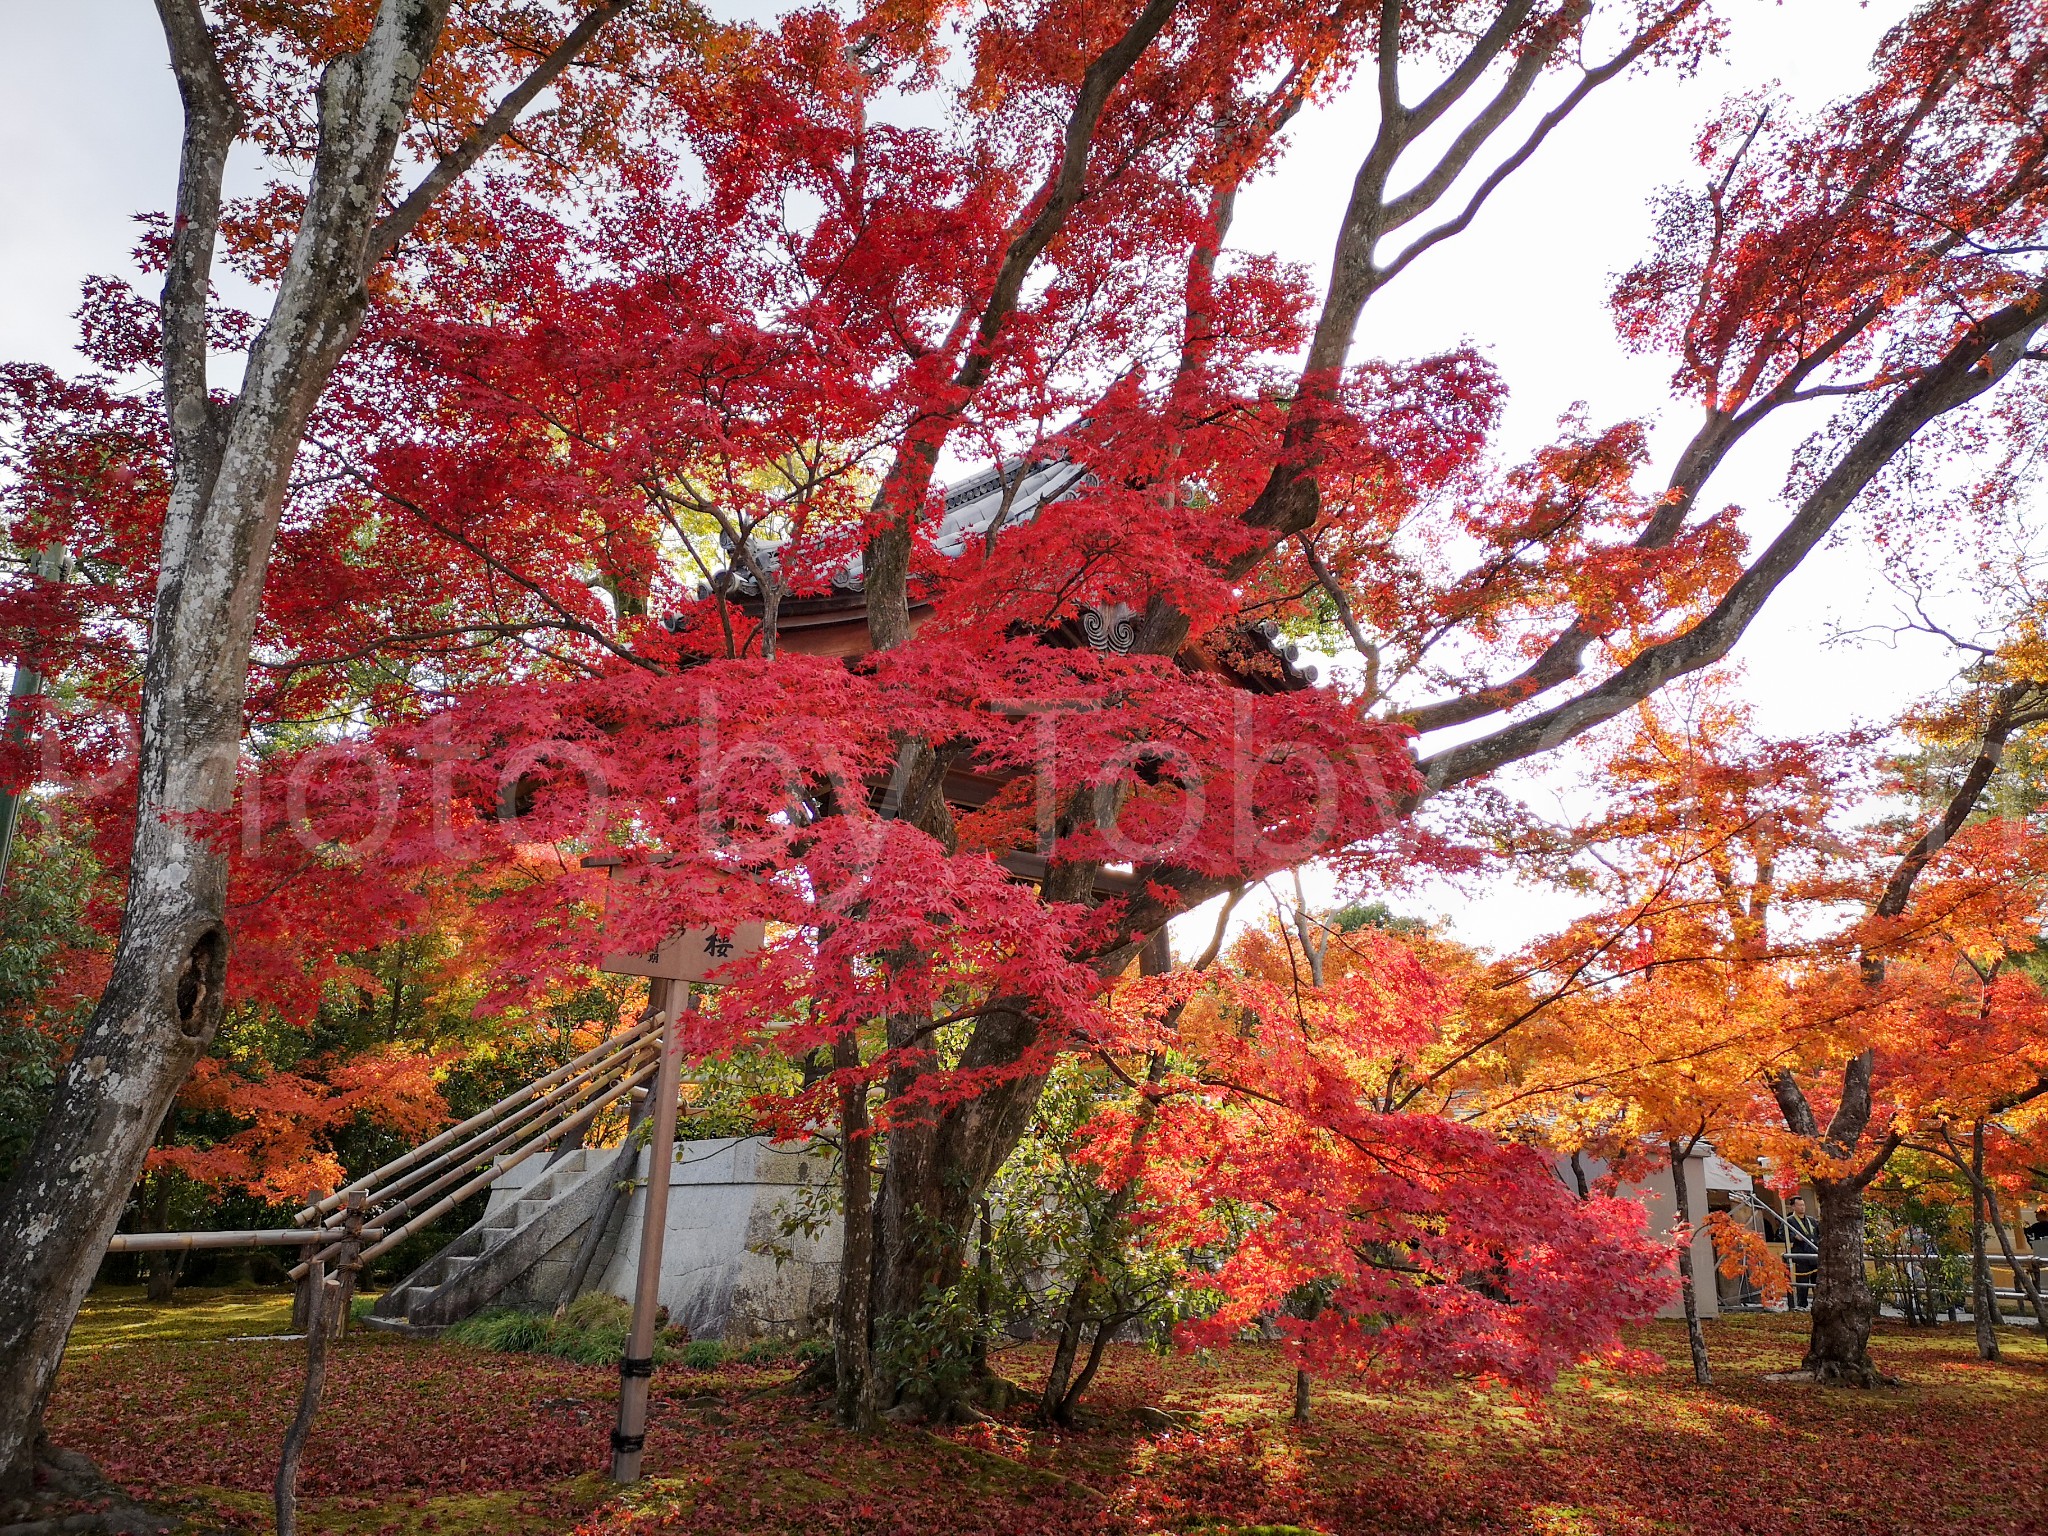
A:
1836	1373
64	1480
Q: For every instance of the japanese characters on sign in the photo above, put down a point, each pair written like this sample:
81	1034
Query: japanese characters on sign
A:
690	955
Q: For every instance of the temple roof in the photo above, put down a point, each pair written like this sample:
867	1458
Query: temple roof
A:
1251	654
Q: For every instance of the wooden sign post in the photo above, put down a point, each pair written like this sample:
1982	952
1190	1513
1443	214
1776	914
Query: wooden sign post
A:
672	966
636	1367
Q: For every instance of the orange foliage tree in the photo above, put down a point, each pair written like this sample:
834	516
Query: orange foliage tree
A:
1764	972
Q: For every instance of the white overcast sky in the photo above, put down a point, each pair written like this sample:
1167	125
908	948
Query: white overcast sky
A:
88	138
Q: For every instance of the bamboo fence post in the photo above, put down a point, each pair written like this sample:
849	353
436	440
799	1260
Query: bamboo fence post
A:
324	1326
305	1297
636	1367
351	1264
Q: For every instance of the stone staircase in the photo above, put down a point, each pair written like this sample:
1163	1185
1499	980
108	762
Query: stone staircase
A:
517	1236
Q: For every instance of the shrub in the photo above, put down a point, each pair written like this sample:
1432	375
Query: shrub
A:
593	1331
598	1309
601	1343
704	1354
506	1329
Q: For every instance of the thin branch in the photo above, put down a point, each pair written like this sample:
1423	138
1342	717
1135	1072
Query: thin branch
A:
398	223
1974	364
1335	592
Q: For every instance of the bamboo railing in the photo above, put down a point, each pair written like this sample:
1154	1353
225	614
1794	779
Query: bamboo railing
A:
422	1185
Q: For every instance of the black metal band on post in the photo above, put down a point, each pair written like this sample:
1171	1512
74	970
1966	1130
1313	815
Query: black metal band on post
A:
627	1445
629	1367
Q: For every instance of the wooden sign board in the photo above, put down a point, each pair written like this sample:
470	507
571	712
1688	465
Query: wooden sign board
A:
690	955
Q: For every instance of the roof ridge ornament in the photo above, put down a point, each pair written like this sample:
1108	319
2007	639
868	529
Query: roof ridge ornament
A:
1110	627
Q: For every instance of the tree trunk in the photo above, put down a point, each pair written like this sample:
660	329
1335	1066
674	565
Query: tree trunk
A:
165	1269
230	469
984	1286
328	1321
1052	1403
940	1165
2026	1276
1838	1348
1983	1295
1909	1293
852	1324
158	1014
941	1161
1695	1336
1105	1330
319	1334
164	1274
1302	1381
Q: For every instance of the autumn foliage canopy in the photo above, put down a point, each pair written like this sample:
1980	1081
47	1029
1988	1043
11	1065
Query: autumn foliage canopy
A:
697	362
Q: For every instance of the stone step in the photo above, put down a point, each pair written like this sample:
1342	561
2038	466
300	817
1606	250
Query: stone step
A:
401	1325
510	1240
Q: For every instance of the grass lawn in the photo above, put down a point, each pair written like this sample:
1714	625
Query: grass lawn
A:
182	1406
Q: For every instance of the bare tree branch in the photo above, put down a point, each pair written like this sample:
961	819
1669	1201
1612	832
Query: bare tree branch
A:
213	121
1998	728
397	224
886	560
1974	364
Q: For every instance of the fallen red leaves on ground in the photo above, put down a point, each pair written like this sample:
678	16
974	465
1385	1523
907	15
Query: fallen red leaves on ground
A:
407	1427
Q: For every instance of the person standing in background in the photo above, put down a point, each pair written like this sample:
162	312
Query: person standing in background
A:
1802	1245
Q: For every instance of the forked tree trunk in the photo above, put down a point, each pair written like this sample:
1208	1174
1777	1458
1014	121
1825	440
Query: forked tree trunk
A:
1073	1320
164	1276
1106	1329
1838	1348
940	1164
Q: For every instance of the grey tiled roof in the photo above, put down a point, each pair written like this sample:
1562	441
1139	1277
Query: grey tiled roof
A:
971	506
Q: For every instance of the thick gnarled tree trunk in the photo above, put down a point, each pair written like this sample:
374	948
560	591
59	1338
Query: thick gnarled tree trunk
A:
1838	1350
231	467
1838	1347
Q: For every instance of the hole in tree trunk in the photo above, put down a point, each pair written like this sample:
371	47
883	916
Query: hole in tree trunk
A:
200	979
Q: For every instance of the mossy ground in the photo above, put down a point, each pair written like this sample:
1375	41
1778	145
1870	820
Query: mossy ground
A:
185	1403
